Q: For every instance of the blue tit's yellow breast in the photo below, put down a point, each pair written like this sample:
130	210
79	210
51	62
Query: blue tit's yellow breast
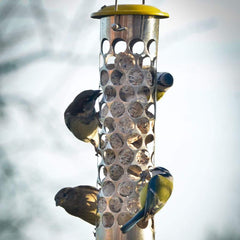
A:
160	95
163	187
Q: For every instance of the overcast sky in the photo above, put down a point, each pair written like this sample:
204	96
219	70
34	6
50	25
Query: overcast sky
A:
48	57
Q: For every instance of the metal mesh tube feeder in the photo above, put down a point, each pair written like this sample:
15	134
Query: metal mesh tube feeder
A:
128	76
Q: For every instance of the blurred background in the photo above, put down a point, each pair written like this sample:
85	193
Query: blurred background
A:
49	53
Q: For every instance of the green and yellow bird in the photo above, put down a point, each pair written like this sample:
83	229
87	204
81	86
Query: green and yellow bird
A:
81	117
153	196
80	201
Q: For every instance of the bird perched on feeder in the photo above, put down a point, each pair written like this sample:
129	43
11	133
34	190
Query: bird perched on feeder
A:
80	201
153	196
81	117
164	82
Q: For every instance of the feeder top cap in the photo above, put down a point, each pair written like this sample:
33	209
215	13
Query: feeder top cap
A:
129	9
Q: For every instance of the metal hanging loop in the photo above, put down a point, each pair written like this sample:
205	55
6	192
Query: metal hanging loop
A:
116	26
116	5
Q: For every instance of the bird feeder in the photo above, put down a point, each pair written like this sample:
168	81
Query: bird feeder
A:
128	76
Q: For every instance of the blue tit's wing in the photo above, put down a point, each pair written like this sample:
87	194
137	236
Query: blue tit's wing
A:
149	200
131	223
153	203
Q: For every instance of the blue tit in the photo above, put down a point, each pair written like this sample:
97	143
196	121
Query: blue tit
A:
164	82
80	201
81	117
153	196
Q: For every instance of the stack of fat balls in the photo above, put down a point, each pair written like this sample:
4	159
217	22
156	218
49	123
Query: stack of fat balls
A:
82	120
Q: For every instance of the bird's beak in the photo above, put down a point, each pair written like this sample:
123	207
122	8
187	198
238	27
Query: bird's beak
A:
58	202
97	93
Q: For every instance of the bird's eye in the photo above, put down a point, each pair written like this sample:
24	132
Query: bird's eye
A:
64	194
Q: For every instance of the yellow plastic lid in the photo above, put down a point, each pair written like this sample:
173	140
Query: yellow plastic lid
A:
129	9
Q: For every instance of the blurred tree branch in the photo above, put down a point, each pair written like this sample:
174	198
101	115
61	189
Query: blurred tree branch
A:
15	64
45	33
41	18
7	8
31	33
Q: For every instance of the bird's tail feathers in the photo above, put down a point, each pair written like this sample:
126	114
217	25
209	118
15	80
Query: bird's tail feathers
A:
131	223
